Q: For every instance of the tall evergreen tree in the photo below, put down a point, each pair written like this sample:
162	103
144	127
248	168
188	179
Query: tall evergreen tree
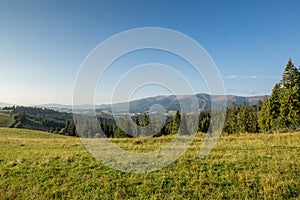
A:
253	123
291	76
290	101
145	123
230	125
176	123
70	128
183	125
243	118
265	116
204	121
275	104
137	128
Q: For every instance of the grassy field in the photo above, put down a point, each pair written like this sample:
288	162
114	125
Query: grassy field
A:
39	165
5	119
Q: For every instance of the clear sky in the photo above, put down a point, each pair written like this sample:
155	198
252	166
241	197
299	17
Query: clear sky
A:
43	43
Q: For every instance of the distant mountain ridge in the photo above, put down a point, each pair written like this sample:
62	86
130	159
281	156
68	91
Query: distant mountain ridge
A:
2	105
169	102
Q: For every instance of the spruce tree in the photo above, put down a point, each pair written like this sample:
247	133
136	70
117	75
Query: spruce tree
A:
145	124
253	123
290	101
137	128
275	104
230	125
291	76
265	116
176	122
183	125
244	119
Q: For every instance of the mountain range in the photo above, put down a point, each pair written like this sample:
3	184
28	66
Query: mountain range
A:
5	104
169	102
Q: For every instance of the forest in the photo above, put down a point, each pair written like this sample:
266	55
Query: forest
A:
280	112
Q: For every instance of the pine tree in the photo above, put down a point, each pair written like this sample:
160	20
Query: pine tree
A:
265	116
117	131
70	128
243	119
183	125
145	123
275	104
290	101
137	128
230	125
204	121
253	123
291	76
176	123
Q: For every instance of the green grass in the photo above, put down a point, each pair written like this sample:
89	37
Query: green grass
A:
5	119
39	165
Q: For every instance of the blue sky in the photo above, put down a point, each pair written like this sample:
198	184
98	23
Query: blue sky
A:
43	43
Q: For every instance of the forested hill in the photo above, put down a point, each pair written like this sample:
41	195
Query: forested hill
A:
36	119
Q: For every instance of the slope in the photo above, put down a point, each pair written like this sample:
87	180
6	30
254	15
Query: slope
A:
5	119
37	165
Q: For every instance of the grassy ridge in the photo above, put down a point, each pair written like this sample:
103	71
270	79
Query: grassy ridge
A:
38	165
5	119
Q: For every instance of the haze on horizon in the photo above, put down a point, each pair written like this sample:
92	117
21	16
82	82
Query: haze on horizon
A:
43	44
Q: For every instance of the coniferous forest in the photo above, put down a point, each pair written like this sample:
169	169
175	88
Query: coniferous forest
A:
279	112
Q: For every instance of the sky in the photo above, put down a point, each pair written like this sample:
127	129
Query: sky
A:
44	43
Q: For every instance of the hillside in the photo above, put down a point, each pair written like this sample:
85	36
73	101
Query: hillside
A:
6	119
38	165
34	118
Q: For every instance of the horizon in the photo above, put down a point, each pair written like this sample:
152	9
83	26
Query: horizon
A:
43	45
102	104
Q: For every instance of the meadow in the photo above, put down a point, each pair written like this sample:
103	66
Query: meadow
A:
5	118
40	165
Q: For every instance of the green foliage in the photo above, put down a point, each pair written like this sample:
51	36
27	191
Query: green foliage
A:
6	119
265	116
204	121
38	118
176	123
145	123
70	128
242	120
183	129
281	112
230	125
253	126
145	120
290	77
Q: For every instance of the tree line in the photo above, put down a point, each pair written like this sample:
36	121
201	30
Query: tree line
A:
277	113
280	112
